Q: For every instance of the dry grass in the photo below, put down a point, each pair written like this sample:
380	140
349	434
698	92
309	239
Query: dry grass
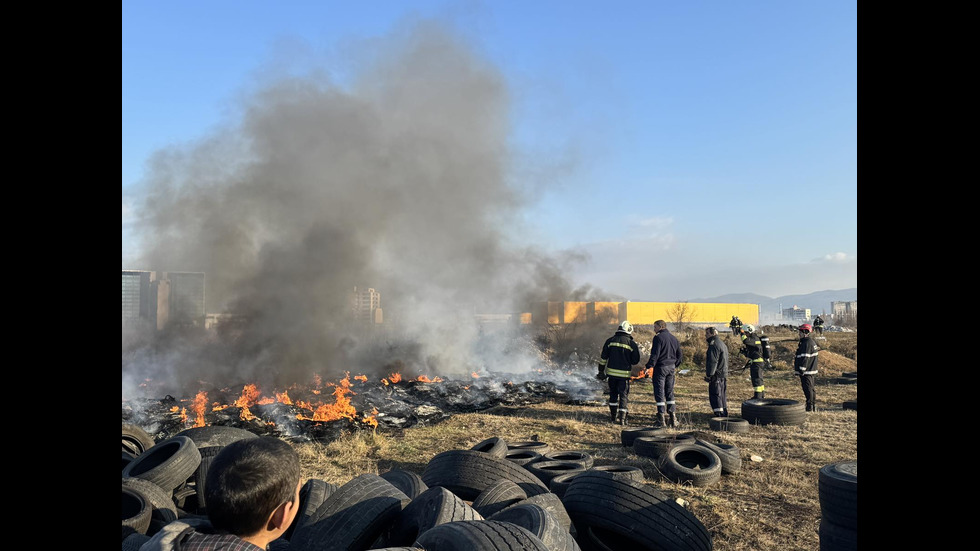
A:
770	504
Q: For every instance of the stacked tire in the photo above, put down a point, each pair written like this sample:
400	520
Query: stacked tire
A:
466	500
773	411
837	488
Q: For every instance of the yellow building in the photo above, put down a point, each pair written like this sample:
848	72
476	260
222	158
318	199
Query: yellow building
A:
641	313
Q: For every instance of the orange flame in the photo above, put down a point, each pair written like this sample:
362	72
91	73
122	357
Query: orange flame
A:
362	378
395	377
372	419
341	408
424	379
199	405
283	398
475	376
175	409
643	374
250	394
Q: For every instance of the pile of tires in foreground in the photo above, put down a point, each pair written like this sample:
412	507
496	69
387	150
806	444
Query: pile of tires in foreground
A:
838	506
488	497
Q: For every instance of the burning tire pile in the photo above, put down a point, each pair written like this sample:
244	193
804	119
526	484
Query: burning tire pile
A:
468	500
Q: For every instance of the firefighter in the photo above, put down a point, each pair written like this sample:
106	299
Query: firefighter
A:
805	365
766	351
716	372
752	349
619	354
735	325
665	358
818	325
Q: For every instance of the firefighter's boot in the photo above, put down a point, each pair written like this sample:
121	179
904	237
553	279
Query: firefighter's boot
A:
612	413
672	419
622	417
660	420
725	413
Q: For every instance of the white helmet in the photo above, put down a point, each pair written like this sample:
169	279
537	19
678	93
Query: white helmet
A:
627	327
749	328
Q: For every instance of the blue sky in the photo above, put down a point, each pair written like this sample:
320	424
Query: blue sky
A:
689	149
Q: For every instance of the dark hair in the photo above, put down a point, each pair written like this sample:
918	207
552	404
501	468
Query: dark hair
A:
711	331
659	325
247	481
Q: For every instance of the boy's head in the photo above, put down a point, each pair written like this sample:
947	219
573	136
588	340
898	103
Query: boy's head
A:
248	481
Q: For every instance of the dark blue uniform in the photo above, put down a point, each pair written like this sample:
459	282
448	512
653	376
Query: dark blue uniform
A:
665	357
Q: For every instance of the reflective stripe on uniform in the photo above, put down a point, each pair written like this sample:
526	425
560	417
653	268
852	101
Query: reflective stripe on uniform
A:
814	372
617	373
760	388
621	345
814	355
661	404
669	402
757	360
603	362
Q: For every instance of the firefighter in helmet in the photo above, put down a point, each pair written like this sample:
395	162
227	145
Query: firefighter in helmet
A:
752	349
805	365
619	354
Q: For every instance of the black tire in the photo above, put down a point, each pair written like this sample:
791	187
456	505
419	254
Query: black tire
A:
546	470
729	424
529	445
127	458
479	535
522	457
185	498
846	380
656	446
168	464
408	482
466	473
611	513
552	503
850	374
692	463
624	472
433	507
627	436
136	511
497	496
201	474
559	484
834	537
160	500
495	446
582	457
217	435
850	404
354	516
773	411
311	495
537	520
730	455
135	440
837	490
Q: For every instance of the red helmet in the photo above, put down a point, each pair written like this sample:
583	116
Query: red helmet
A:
806	328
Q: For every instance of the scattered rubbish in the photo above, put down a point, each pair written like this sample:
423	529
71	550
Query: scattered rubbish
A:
684	371
755	458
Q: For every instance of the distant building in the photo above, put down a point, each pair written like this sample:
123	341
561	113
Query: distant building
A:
844	311
796	314
186	297
366	306
153	300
